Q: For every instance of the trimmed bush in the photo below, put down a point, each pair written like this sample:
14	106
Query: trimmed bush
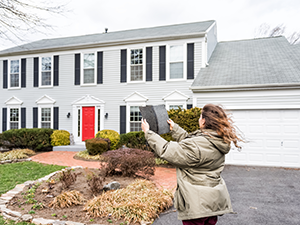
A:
96	146
35	138
60	137
188	119
135	139
128	162
112	135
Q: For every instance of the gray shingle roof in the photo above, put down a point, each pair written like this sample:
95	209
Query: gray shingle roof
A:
144	33
251	62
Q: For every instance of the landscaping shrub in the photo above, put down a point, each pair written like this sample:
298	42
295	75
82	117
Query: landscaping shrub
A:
67	199
188	119
60	137
97	146
67	178
16	154
112	135
35	138
135	139
139	201
94	182
128	162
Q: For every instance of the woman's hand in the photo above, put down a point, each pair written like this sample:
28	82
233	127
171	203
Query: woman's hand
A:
171	122
145	125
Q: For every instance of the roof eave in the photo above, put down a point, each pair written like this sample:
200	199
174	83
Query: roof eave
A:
247	87
106	44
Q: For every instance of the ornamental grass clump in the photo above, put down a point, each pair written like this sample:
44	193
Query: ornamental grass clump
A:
16	154
128	162
139	201
67	199
85	155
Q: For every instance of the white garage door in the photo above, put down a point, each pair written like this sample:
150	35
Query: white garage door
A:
273	138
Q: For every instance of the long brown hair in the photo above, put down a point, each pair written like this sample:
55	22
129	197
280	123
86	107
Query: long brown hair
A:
217	119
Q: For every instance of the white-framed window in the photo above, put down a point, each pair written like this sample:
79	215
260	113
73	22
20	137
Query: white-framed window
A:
136	64
176	61
88	73
135	119
46	117
46	71
14	74
14	118
176	106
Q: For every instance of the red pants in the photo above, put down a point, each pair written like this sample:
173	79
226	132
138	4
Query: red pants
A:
201	221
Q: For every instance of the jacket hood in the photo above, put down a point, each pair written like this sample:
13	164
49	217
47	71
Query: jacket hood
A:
214	138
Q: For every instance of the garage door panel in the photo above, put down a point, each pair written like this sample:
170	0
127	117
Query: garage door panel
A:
273	138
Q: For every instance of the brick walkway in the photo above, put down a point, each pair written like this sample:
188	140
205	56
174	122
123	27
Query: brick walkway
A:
165	177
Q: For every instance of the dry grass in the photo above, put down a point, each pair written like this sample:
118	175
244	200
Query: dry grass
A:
85	155
139	201
67	199
16	154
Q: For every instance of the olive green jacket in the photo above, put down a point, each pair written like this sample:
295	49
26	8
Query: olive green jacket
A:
199	159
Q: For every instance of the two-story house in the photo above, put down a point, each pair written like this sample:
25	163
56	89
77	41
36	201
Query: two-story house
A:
88	83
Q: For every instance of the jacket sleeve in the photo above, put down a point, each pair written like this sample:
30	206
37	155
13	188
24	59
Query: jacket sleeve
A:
178	133
180	154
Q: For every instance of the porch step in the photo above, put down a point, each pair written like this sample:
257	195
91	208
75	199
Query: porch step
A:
70	148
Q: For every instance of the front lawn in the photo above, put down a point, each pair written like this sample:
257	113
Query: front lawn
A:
18	173
11	222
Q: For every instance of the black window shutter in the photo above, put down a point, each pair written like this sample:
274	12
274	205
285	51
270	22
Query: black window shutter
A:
149	64
189	106
23	73
122	119
35	117
56	120
36	72
5	73
56	71
162	62
4	119
77	69
190	61
123	65
23	117
100	68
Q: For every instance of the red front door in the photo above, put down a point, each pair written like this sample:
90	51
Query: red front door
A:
88	123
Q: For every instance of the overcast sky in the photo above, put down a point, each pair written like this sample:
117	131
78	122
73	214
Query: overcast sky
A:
236	19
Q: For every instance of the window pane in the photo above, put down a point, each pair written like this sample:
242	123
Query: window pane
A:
14	80
135	118
46	63
137	56
46	78
46	114
14	66
136	72
175	106
176	70
89	60
14	125
98	119
176	53
79	123
88	76
14	115
46	125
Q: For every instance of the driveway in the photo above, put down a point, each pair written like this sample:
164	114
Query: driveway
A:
259	195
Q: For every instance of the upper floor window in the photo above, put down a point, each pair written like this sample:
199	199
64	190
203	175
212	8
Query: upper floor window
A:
46	71
14	118
14	73
136	65
176	60
89	69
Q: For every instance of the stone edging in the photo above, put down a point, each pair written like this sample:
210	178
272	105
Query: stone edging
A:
15	160
19	217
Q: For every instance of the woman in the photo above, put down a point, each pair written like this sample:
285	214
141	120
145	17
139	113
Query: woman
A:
199	157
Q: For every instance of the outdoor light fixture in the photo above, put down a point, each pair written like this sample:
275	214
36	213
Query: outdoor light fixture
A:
69	114
106	115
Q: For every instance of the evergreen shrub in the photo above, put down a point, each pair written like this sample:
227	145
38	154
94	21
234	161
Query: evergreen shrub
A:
128	162
60	137
96	146
112	135
135	139
34	138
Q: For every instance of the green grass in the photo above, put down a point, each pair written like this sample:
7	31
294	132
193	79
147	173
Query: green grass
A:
17	173
11	222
